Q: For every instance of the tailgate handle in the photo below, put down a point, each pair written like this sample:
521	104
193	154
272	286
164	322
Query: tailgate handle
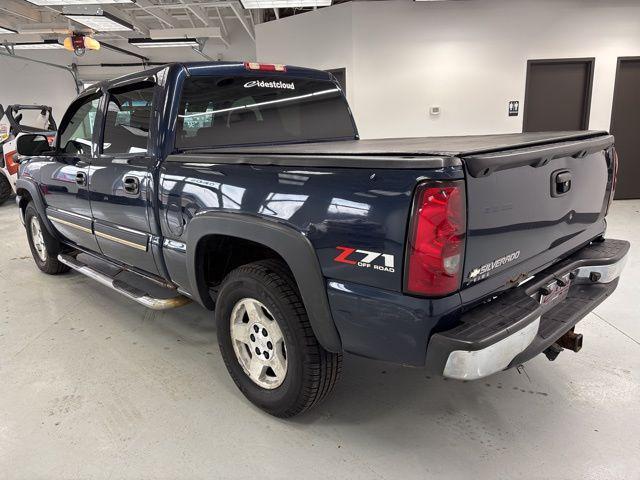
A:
560	182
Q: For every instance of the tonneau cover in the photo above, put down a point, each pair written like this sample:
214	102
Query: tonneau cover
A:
417	146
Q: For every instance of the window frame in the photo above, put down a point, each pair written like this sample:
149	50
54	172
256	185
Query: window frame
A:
69	114
138	84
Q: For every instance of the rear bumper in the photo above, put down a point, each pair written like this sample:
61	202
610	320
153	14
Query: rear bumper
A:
515	327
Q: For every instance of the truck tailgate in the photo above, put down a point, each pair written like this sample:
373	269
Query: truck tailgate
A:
528	207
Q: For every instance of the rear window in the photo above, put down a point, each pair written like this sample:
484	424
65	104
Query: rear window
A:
225	111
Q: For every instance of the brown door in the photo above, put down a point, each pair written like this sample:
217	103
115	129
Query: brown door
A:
625	125
558	95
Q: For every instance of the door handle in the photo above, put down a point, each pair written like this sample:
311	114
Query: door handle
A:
132	185
81	178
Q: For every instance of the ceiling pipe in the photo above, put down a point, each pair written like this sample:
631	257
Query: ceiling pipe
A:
108	46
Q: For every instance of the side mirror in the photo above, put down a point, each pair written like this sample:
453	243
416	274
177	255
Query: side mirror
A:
32	144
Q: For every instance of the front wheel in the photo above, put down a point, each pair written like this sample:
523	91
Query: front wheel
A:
267	342
5	188
44	247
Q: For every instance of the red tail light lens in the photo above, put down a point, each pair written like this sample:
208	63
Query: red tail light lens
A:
436	239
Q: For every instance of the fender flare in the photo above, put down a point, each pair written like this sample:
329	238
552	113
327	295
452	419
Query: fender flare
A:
36	196
289	243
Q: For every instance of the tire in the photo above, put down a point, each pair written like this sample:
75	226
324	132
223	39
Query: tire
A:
311	372
5	189
44	248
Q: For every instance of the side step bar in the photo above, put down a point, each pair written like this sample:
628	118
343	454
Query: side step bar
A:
125	289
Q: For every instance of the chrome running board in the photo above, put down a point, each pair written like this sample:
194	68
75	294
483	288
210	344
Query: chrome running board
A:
124	288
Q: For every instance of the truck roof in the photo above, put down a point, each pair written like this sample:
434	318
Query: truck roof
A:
238	68
210	68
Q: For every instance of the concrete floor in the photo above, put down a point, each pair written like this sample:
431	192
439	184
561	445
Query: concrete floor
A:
95	386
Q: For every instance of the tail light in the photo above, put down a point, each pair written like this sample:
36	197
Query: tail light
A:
265	67
436	239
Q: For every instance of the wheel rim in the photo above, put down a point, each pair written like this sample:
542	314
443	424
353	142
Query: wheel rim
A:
258	343
38	239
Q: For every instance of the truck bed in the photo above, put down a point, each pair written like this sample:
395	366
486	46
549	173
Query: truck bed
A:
419	146
417	152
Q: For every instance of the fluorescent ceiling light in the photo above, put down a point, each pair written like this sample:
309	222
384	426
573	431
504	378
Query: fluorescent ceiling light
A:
53	3
7	30
164	43
46	45
100	22
253	4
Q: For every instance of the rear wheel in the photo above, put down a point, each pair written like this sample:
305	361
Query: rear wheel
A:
44	247
5	189
267	342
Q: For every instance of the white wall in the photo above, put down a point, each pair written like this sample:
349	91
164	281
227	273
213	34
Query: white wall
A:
468	57
322	39
29	83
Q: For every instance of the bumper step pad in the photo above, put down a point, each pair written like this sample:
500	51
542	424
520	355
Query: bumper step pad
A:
580	301
491	336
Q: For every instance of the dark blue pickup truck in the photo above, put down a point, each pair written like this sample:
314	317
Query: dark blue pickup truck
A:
244	187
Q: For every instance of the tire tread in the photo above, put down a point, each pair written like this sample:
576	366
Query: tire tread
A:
5	187
324	367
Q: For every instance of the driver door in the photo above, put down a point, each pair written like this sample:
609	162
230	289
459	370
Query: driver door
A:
65	177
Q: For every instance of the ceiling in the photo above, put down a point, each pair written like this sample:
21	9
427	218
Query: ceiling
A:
183	18
216	29
177	18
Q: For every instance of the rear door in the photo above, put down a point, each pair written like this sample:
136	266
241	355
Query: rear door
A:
64	178
121	177
528	207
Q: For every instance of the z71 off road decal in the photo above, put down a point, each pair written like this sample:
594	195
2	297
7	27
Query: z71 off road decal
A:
383	262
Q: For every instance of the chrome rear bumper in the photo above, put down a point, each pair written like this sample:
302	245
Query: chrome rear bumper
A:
515	327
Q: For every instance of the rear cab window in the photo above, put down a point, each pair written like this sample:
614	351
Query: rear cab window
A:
257	109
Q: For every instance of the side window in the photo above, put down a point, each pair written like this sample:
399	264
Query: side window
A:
76	135
126	128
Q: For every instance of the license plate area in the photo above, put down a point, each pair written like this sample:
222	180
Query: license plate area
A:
556	291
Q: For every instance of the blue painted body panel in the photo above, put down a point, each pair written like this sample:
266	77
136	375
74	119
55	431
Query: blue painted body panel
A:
362	208
386	325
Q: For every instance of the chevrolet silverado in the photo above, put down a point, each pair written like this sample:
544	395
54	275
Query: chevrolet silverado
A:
245	187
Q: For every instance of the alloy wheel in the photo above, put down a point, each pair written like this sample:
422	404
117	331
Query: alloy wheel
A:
258	343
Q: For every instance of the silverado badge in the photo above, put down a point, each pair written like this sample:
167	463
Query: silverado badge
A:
483	270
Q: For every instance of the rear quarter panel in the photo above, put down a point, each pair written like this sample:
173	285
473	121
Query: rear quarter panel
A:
355	208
